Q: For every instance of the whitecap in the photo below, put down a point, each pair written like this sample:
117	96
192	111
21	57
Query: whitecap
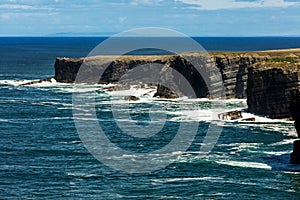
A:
245	164
206	178
16	82
82	175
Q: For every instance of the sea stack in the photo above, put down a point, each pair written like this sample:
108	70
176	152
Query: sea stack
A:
295	112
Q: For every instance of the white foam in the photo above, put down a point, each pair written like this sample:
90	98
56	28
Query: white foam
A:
134	91
85	118
188	109
15	82
245	164
242	146
264	119
258	119
167	180
50	83
82	175
71	142
276	153
191	115
52	103
283	142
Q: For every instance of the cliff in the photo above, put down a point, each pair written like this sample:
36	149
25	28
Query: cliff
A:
232	66
269	87
264	78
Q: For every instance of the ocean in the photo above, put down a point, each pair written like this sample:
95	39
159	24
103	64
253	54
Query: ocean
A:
43	156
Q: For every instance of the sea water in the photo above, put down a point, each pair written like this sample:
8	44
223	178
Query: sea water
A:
43	157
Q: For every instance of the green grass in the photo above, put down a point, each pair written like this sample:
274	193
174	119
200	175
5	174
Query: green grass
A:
283	59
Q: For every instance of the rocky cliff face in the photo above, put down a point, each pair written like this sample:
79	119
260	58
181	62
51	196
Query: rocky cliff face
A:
268	89
234	70
232	67
66	69
264	78
112	68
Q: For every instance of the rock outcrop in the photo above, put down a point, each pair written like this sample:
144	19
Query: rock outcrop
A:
132	98
295	109
232	67
295	155
66	69
38	81
269	86
114	69
295	112
264	78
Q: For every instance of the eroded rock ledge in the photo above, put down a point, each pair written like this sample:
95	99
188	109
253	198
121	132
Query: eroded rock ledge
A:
264	78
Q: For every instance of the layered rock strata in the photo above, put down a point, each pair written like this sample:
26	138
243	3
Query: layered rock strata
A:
231	66
268	90
264	78
295	112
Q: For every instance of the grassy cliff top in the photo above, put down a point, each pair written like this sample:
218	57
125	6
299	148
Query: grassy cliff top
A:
288	59
269	53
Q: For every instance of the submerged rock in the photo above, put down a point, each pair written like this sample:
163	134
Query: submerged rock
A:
132	98
235	115
38	81
251	119
117	88
232	115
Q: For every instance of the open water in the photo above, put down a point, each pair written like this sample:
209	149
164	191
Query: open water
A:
42	156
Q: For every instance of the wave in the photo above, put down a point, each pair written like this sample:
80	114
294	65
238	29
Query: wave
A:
51	103
181	109
16	82
245	164
83	175
205	178
134	91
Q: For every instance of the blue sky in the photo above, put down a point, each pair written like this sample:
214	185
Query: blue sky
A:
191	17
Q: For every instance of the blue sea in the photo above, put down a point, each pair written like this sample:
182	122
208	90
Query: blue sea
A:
43	156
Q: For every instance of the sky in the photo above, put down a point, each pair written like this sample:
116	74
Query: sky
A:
190	17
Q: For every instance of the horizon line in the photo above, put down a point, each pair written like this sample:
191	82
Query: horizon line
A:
99	35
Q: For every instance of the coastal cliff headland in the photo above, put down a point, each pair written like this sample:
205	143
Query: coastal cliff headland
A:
264	78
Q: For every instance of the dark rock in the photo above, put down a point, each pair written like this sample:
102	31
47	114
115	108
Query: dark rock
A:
251	119
164	92
295	109
257	76
268	91
233	69
235	115
295	112
132	98
35	82
232	115
66	69
118	88
295	155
